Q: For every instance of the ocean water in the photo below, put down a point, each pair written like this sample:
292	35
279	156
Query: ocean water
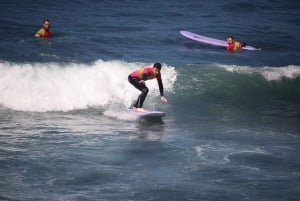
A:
231	130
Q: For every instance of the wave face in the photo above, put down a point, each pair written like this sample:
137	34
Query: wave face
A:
42	87
237	93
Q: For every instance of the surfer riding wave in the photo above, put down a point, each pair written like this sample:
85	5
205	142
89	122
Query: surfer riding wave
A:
138	78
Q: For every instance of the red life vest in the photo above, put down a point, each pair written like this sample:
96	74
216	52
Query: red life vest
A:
47	34
235	46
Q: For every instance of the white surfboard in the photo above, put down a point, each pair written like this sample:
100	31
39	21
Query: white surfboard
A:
147	113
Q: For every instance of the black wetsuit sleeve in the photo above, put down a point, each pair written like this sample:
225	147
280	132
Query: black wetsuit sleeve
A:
144	77
161	87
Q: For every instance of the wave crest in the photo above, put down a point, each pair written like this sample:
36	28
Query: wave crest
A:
269	73
62	87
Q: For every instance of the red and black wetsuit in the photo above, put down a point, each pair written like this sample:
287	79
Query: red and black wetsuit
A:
144	74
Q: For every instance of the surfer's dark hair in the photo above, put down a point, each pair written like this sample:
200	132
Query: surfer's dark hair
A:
157	65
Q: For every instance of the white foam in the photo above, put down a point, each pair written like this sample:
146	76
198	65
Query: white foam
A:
63	87
269	73
199	150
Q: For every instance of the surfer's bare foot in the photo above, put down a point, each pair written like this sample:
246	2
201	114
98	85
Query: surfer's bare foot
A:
140	109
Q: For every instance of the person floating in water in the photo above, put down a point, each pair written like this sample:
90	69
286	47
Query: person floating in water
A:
138	78
234	46
44	32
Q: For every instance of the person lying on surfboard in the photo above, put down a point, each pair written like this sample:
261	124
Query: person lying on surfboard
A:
234	46
138	77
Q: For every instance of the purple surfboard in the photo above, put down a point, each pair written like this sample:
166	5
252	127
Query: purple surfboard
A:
147	113
210	41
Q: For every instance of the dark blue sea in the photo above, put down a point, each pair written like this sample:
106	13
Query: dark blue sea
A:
232	125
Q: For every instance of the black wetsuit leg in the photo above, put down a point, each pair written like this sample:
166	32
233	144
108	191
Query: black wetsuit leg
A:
142	87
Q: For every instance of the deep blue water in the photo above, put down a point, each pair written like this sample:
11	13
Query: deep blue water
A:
231	130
